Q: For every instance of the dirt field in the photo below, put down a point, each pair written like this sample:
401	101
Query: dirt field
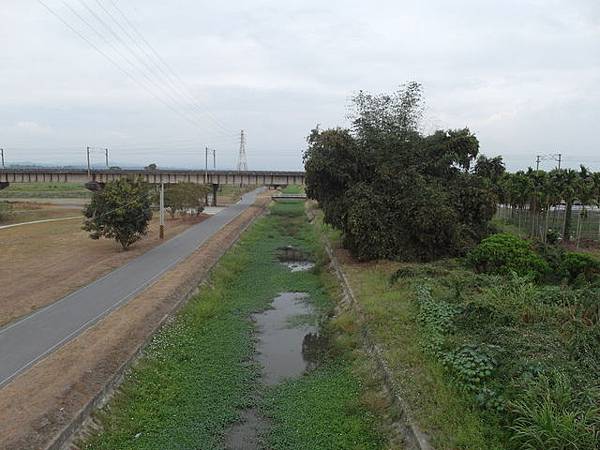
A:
41	263
36	406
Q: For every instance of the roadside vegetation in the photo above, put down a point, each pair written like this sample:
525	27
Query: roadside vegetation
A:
197	374
181	198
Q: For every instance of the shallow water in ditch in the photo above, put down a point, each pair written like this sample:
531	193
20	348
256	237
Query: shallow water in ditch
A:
288	344
299	266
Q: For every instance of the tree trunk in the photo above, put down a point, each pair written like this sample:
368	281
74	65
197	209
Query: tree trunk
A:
567	227
578	235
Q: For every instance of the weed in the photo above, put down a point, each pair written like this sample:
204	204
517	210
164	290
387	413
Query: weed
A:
551	415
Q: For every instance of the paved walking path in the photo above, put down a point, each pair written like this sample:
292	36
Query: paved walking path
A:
25	342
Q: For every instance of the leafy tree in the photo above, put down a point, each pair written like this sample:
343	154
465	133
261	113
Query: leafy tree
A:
181	197
491	168
394	192
121	211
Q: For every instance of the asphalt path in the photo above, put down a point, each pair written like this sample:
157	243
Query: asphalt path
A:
27	341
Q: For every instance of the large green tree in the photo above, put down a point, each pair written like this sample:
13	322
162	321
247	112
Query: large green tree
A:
394	192
120	211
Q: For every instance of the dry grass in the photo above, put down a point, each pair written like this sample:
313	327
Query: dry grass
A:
40	263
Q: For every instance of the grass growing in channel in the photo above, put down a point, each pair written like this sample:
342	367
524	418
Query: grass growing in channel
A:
197	373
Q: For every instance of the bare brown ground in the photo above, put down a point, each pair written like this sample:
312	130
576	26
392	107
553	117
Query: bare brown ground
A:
41	263
36	406
28	212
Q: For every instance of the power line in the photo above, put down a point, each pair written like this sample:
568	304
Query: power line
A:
114	63
175	89
153	79
161	60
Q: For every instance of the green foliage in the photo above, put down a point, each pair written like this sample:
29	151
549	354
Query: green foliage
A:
473	367
505	253
552	415
394	192
579	265
121	211
436	318
306	419
181	197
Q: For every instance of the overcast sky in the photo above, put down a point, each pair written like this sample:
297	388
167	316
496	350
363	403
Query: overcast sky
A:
524	75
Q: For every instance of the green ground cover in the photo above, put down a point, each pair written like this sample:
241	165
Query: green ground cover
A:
45	190
197	374
488	361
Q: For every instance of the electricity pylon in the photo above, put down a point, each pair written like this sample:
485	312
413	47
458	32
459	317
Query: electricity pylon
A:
242	164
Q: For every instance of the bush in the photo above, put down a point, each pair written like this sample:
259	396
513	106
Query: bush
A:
505	253
579	265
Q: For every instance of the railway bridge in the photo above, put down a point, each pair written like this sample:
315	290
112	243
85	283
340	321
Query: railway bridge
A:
95	179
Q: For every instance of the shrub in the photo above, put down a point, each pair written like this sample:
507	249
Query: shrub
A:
505	253
579	265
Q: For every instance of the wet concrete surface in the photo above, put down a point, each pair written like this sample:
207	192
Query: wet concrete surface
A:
288	344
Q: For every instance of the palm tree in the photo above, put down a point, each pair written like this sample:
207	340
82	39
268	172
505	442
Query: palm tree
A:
566	181
537	201
585	194
596	193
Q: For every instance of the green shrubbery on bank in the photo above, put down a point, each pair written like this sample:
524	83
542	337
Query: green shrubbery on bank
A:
520	340
505	253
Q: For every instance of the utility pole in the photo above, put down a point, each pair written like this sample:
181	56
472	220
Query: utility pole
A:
161	232
88	163
106	154
537	162
205	165
559	160
2	153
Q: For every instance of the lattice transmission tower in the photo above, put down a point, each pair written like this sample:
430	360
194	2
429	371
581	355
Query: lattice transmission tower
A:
242	164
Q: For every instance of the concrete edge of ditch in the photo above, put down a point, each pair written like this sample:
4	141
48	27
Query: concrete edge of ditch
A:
414	437
64	439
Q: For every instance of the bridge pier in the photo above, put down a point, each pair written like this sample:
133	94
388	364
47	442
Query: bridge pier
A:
215	188
4	184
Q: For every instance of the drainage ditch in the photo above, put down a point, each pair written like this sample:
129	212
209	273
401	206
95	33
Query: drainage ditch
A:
288	344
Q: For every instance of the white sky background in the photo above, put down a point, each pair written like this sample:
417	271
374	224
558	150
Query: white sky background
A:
524	75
